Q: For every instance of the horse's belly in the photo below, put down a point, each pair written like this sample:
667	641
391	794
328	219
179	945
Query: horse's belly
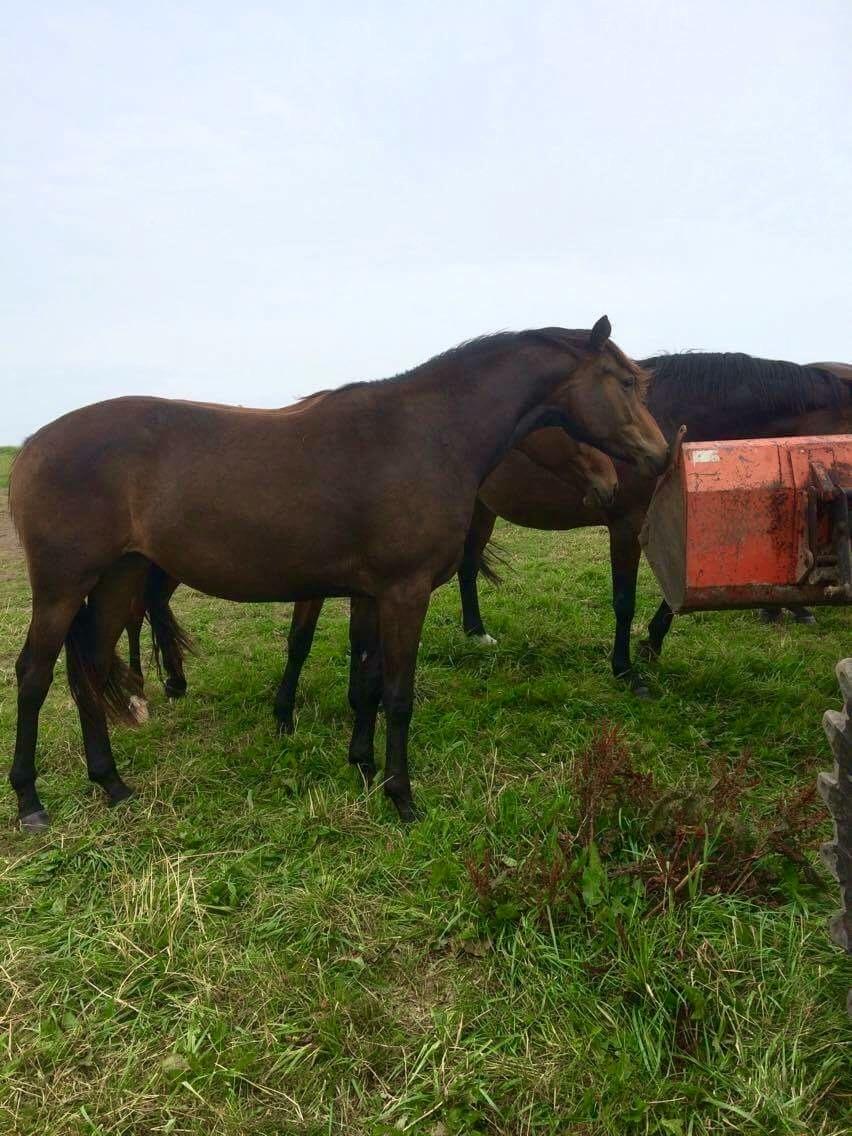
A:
254	566
263	585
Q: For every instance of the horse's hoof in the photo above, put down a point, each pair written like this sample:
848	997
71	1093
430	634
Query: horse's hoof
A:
139	709
285	726
408	814
38	821
398	791
635	682
367	771
770	614
485	640
174	689
117	791
806	617
647	651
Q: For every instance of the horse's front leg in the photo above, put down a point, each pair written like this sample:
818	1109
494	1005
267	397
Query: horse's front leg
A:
624	553
302	627
365	683
401	613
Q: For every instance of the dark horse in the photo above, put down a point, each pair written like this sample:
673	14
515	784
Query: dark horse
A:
718	396
366	491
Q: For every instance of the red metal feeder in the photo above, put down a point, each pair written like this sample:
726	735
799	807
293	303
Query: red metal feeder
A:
753	523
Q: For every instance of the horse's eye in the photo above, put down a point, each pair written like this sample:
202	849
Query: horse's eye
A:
628	383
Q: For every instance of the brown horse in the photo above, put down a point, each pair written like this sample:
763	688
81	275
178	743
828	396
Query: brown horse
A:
367	492
581	469
717	396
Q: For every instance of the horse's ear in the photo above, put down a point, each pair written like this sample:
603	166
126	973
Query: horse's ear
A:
600	333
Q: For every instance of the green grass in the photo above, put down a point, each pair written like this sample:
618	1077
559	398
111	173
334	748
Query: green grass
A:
6	455
255	947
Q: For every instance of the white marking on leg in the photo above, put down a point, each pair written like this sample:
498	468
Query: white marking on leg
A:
139	709
486	640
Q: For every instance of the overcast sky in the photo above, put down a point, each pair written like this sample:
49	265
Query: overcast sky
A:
246	202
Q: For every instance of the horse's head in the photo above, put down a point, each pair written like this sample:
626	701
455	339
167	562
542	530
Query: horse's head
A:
583	468
599	479
602	400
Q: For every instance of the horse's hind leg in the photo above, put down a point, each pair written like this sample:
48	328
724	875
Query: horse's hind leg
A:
658	629
479	534
301	636
365	683
158	589
175	681
51	619
138	702
801	614
93	667
134	636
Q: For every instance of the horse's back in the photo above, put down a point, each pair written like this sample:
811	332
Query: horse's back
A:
95	466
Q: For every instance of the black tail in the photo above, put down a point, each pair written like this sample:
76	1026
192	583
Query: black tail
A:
491	559
121	683
170	641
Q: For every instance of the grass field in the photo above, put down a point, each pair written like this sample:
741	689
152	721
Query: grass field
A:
254	946
6	455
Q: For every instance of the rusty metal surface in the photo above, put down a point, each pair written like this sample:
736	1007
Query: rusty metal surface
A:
755	522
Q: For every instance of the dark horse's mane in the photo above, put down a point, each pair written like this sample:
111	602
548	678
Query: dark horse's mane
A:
723	378
472	351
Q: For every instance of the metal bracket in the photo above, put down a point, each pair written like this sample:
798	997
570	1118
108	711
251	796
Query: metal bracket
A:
833	568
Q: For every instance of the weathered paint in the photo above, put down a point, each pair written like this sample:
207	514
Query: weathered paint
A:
728	525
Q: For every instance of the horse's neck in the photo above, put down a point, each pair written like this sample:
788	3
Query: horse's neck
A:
742	414
494	405
467	408
720	423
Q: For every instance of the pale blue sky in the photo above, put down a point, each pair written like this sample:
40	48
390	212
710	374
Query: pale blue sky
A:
247	202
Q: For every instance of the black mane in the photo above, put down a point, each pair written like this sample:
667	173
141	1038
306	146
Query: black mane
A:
724	378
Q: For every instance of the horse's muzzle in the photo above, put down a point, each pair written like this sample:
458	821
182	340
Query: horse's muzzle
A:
652	463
